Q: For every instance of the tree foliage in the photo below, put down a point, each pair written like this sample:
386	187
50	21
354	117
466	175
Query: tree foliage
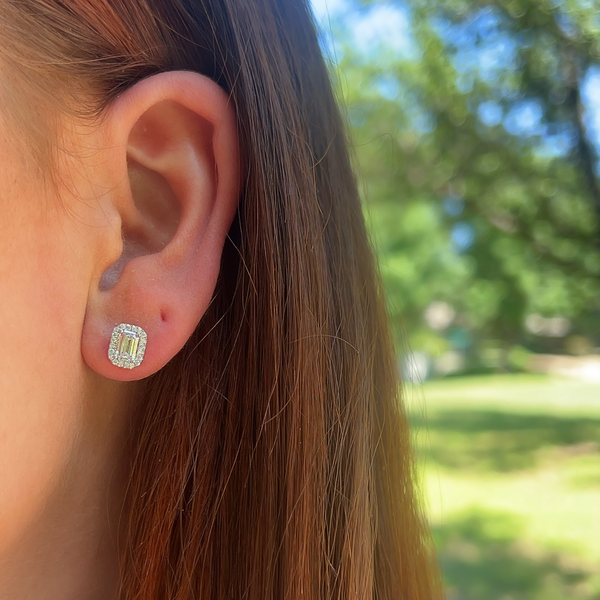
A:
479	164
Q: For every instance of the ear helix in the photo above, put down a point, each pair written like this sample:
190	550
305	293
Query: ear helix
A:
127	346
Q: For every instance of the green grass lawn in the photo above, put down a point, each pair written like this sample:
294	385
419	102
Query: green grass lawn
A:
511	475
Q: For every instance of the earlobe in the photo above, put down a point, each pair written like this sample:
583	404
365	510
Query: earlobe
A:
173	141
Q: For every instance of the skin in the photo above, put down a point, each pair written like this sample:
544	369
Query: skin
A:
62	425
134	234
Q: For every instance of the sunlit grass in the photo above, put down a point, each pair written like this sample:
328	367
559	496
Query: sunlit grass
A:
511	476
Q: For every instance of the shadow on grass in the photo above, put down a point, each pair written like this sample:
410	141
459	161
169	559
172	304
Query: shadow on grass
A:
493	440
482	559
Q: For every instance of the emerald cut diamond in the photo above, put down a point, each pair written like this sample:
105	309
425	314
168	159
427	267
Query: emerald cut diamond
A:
127	346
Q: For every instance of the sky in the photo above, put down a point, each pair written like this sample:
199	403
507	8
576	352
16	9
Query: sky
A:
321	8
388	25
380	24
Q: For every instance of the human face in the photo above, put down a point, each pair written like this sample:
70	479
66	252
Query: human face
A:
53	428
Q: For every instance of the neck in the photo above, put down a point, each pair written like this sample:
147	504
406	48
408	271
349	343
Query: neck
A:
71	549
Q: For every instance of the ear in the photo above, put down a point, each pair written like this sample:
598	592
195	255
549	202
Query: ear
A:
172	169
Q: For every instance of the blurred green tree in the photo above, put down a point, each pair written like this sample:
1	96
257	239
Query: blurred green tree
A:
479	166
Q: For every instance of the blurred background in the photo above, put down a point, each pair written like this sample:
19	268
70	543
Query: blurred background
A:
475	126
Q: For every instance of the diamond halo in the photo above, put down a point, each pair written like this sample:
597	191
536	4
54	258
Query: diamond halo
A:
127	346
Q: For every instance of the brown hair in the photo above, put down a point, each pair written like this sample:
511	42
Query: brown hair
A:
272	459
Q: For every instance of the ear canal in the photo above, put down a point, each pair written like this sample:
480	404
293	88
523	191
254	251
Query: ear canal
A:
151	225
158	208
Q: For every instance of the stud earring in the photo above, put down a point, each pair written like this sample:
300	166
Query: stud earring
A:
127	346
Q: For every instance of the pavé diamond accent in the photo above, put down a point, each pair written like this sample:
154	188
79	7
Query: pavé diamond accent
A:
127	346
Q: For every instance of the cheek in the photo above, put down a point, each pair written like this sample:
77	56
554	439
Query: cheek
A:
41	312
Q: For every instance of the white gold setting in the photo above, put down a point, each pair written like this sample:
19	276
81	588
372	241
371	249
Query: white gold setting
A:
127	346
